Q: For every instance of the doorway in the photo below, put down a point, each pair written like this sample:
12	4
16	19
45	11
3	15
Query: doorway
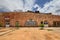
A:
7	22
56	23
30	23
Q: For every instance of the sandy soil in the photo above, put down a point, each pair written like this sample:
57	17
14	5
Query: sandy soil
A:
30	34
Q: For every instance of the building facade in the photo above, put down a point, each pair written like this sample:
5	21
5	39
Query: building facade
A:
25	19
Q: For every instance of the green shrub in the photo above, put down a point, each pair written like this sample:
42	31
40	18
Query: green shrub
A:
17	24
42	26
0	24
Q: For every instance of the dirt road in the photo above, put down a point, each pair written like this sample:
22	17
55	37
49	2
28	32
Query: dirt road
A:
30	34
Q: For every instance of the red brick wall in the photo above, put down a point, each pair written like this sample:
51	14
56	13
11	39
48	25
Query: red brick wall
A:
22	17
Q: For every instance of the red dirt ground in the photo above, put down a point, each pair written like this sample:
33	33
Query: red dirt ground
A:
30	34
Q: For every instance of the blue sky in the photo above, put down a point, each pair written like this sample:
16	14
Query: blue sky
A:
42	2
45	6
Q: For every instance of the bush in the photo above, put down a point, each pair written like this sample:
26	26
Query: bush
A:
42	26
17	24
0	24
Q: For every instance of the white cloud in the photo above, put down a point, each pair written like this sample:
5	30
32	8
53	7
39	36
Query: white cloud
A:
52	6
29	4
17	4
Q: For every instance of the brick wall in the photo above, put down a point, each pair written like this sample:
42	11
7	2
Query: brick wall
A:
22	17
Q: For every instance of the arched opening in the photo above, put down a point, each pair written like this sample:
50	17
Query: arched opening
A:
30	23
7	21
46	23
41	22
56	23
